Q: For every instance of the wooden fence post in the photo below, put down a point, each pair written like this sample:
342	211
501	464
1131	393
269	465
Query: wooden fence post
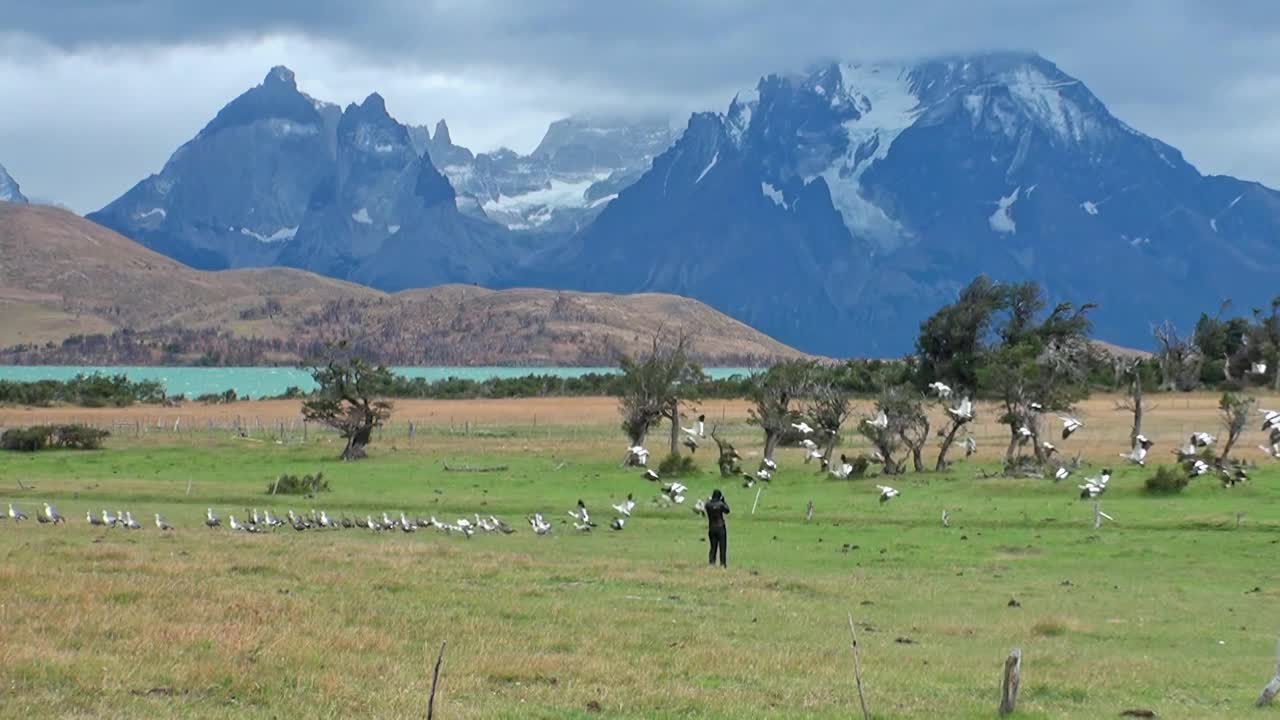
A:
1009	684
857	668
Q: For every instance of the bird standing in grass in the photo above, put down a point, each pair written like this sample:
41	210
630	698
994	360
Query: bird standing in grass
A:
539	525
15	514
161	524
886	493
92	519
211	520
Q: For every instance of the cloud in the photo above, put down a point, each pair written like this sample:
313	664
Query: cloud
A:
108	88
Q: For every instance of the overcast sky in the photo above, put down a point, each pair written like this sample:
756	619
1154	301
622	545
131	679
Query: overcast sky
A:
96	94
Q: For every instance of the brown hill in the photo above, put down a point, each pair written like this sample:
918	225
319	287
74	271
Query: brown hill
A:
74	292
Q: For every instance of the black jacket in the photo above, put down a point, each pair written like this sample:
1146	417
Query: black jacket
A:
716	510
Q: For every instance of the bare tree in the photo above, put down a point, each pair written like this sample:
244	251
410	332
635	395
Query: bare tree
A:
652	387
1235	410
828	407
729	459
775	392
1133	403
346	398
900	422
1179	358
959	414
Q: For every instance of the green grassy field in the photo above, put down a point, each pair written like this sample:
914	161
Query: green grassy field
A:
1171	608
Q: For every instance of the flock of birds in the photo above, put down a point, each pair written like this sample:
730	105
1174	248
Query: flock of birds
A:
1191	456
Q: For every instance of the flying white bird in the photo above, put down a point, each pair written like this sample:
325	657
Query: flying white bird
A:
1036	407
1062	473
540	526
970	445
625	507
1259	368
700	507
1270	419
802	427
690	442
637	455
580	514
1272	451
1201	439
1198	468
650	475
879	422
812	454
1137	456
1069	425
1024	432
161	524
1143	441
886	493
616	523
962	411
1048	447
769	464
1095	486
808	444
942	390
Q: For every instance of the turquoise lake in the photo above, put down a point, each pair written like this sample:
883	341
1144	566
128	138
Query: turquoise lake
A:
256	382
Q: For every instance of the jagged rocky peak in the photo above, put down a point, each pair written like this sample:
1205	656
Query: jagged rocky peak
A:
441	135
281	75
9	190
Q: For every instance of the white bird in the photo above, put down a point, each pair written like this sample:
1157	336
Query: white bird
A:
1095	486
1201	439
650	475
942	390
1062	473
325	522
690	442
15	514
255	518
616	523
886	493
1036	407
1024	432
802	427
970	445
235	526
1270	419
1048	447
1069	425
1143	441
580	514
1186	452
93	519
700	507
625	507
812	454
1198	468
1137	456
52	515
271	521
1259	368
962	411
764	475
539	525
130	523
161	524
212	521
1272	451
638	455
879	422
769	464
808	444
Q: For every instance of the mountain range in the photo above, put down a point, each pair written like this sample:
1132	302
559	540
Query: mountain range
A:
9	190
832	209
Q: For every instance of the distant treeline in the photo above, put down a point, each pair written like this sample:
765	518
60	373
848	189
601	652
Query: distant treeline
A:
82	390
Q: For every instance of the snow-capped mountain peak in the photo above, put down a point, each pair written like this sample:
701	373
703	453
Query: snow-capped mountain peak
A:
9	190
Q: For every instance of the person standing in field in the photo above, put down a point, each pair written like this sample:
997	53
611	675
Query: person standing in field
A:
718	536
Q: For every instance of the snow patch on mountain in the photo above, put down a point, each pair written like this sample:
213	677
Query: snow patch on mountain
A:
285	233
1001	220
150	213
714	159
886	105
534	209
774	194
741	110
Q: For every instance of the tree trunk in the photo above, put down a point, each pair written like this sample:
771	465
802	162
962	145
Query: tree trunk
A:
1013	444
771	439
830	449
947	440
675	431
1136	391
1226	449
356	443
1275	385
917	457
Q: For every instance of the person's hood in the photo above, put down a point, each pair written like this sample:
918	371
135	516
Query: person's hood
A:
717	495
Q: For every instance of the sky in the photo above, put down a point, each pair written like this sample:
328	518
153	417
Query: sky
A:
96	94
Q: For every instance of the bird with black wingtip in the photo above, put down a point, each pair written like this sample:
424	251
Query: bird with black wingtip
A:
716	508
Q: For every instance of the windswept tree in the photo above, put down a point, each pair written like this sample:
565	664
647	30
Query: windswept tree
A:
899	422
953	342
653	387
960	411
1135	402
776	393
1236	411
347	398
1178	357
827	407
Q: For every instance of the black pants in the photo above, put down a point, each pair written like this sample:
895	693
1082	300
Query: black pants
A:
719	538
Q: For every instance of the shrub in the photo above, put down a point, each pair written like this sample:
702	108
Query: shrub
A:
294	485
675	465
45	437
29	439
1167	481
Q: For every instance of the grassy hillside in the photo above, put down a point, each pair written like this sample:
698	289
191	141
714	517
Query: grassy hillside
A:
62	276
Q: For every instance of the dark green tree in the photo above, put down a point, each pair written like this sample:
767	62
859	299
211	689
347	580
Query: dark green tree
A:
653	387
347	398
776	393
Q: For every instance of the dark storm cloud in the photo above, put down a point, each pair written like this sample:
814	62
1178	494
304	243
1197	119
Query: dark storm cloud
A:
1203	76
